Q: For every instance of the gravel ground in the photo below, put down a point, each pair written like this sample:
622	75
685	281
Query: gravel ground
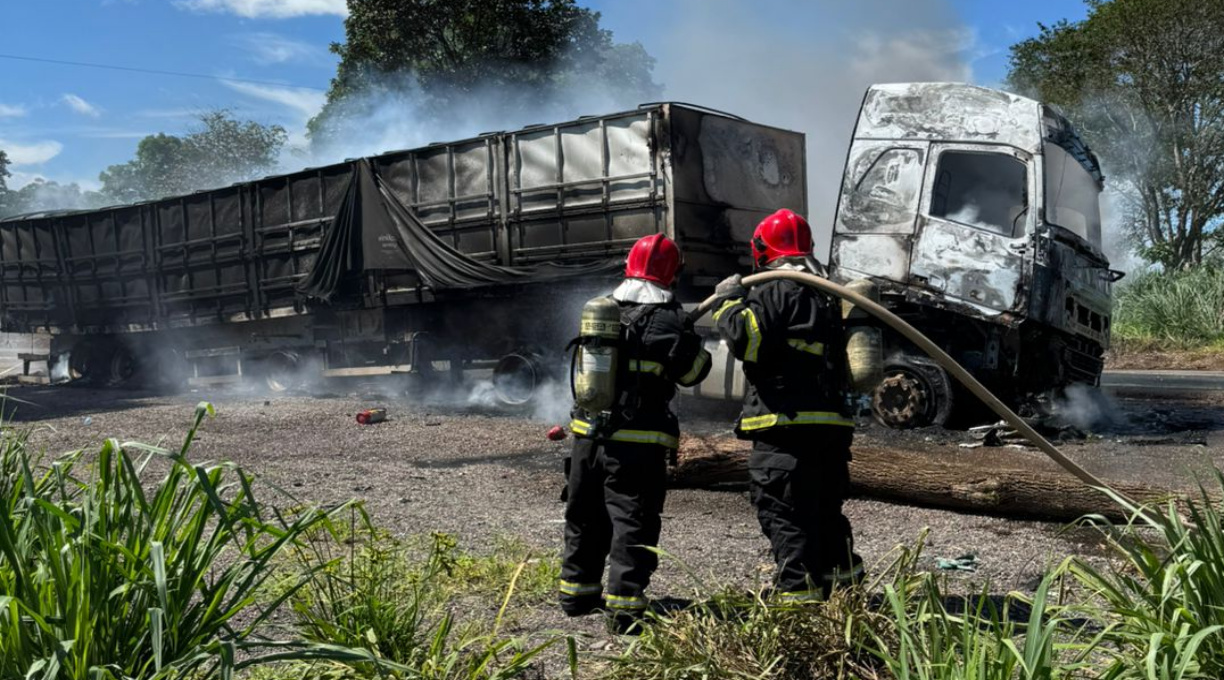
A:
481	475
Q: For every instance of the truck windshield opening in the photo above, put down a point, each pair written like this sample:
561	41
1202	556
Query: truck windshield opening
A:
1071	195
981	189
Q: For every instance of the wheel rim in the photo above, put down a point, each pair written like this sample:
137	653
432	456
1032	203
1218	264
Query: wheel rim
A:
515	379
282	373
904	399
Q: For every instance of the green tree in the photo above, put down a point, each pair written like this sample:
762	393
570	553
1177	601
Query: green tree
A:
220	151
513	54
1144	81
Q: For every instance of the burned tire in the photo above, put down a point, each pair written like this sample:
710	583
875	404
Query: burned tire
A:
913	393
518	376
124	367
282	372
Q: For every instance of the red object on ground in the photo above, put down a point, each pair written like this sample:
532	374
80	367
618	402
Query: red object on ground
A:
372	415
556	434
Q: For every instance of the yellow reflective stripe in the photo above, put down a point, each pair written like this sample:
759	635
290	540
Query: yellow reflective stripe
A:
646	367
645	437
816	348
626	602
838	576
798	596
571	588
699	365
802	418
754	335
582	427
727	304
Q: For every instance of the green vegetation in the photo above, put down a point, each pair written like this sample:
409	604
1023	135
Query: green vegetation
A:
437	58
1181	309
369	591
1141	81
106	573
900	624
1157	614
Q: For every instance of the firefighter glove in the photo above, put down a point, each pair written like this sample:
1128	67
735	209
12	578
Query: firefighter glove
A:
731	288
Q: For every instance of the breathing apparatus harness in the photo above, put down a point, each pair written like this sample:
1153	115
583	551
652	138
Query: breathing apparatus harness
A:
599	360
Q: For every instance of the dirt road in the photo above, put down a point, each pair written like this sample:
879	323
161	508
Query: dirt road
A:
482	475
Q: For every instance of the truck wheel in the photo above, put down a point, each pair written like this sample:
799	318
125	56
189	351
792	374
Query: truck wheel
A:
913	393
282	372
88	365
123	366
517	377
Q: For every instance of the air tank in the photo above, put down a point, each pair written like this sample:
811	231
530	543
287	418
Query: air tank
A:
596	362
864	341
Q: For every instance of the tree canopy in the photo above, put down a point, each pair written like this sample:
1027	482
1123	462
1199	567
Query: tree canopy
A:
1144	82
220	151
512	54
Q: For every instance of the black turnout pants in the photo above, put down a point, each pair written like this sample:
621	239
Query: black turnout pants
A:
799	478
616	493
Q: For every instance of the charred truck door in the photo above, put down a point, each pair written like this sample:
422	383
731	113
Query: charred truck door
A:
974	224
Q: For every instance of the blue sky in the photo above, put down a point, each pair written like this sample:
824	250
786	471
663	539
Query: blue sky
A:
69	122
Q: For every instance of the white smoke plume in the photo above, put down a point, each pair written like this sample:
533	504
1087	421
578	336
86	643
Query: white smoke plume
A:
806	66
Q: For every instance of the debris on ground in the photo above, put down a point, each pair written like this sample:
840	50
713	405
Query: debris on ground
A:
371	416
966	562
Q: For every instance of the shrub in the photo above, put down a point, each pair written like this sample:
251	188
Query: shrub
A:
103	577
369	591
1165	603
1183	307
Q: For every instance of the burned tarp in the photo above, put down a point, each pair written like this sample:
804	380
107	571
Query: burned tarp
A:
374	230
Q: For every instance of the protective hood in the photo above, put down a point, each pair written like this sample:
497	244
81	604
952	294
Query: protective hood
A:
642	292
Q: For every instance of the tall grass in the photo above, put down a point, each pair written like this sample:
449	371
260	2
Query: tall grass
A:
1165	602
104	574
369	591
902	625
1182	308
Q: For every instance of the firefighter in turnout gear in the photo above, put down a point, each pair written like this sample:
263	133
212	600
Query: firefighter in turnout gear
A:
791	341
618	465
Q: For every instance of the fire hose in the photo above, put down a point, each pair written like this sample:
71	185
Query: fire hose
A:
935	352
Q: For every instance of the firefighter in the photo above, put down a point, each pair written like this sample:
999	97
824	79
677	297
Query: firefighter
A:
792	345
619	459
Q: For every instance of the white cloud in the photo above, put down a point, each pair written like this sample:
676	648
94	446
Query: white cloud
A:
12	111
81	106
304	103
272	48
31	154
277	9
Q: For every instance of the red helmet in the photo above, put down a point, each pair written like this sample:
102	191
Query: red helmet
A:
782	234
654	258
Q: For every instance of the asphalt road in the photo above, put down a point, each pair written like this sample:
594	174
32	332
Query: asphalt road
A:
1162	382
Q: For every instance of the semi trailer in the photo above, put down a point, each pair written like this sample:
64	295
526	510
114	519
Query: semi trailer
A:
974	212
424	262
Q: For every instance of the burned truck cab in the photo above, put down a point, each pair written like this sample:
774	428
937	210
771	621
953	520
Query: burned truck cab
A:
976	213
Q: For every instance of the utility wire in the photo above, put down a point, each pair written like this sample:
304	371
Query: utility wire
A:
179	74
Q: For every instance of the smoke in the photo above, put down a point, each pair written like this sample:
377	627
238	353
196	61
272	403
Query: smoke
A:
806	66
396	113
1087	408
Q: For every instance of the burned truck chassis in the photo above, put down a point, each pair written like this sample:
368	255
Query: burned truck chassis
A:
1018	360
